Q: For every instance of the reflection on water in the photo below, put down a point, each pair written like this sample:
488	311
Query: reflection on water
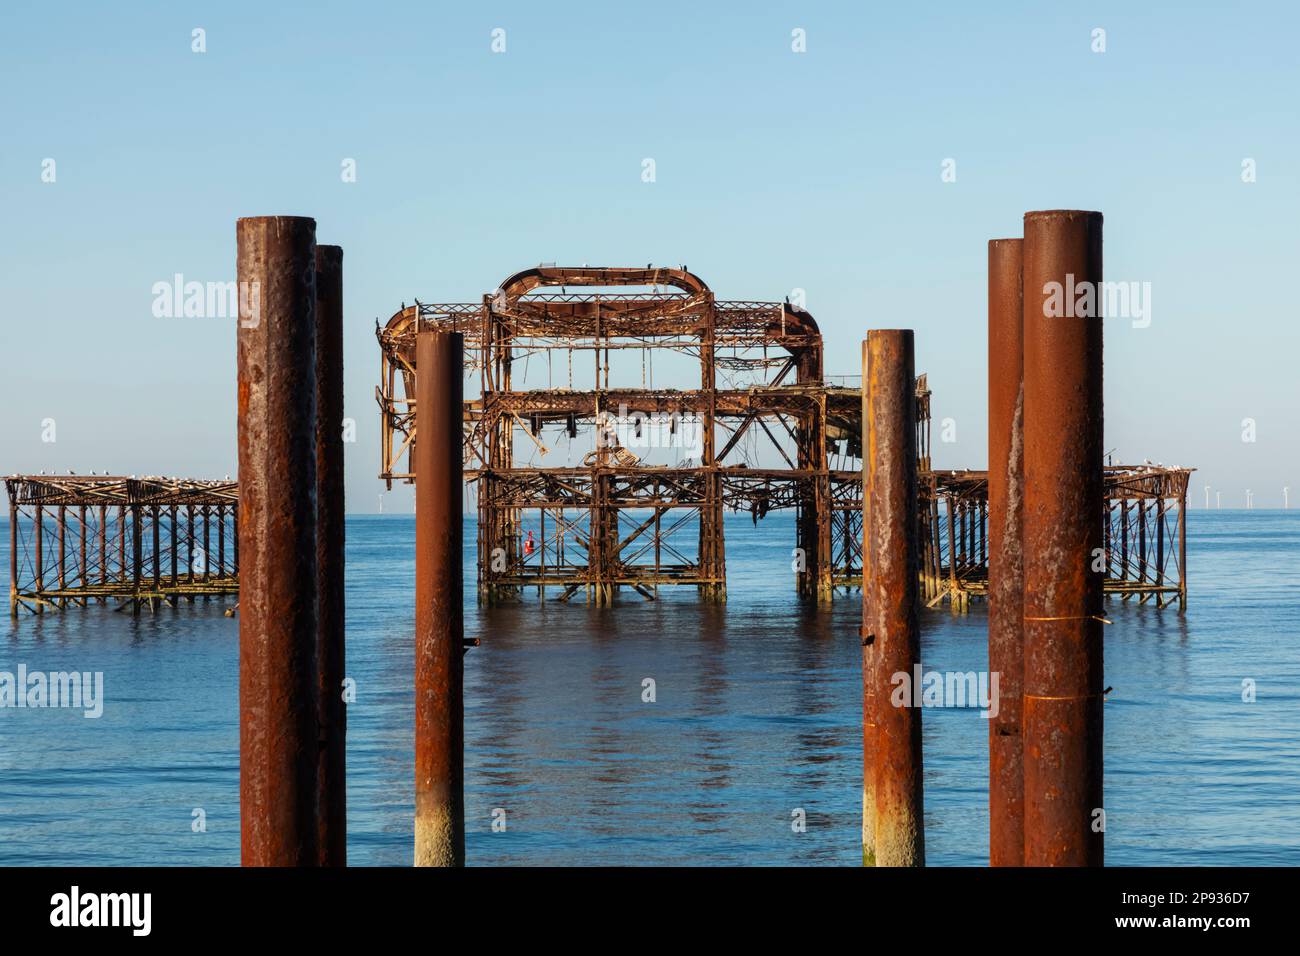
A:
755	716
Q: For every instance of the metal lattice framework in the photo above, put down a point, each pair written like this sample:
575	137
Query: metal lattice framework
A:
614	521
1145	534
773	431
75	539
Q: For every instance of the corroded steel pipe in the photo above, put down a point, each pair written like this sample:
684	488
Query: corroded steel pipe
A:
868	665
331	711
1062	535
1006	568
278	746
439	625
891	562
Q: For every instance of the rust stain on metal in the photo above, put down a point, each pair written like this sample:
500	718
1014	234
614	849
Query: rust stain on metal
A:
1005	564
277	527
1063	537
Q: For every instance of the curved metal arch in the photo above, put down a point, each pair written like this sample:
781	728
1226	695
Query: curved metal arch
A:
523	282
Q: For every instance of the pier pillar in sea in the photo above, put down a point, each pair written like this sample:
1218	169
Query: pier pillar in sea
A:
892	772
1005	564
278	687
1063	542
332	817
439	612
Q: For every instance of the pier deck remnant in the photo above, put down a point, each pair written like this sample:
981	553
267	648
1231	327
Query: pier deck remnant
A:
78	539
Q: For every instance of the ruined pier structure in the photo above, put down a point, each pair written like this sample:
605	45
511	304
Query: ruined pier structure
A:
78	539
763	431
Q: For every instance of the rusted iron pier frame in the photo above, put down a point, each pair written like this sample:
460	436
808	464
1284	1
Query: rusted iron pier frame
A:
1005	565
890	599
439	613
761	384
1145	541
1062	538
279	707
143	542
787	439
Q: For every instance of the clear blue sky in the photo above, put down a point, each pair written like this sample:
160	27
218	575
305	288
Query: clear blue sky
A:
775	171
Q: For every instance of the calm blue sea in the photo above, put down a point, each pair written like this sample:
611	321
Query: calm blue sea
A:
757	715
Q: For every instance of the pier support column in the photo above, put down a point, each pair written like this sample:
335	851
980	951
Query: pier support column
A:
1062	534
890	582
278	746
13	554
870	646
439	624
331	711
1006	568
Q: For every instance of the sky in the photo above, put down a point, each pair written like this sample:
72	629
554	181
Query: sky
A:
829	170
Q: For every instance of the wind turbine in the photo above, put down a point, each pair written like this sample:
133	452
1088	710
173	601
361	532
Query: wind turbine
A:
1285	502
1207	497
1217	503
1248	504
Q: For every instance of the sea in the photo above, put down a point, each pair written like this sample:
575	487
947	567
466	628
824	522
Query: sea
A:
747	751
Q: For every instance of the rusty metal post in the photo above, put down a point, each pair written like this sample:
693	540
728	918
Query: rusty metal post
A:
1182	552
207	546
13	554
63	553
332	712
439	626
175	580
39	559
157	554
890	564
1062	535
1006	567
278	744
869	647
83	575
